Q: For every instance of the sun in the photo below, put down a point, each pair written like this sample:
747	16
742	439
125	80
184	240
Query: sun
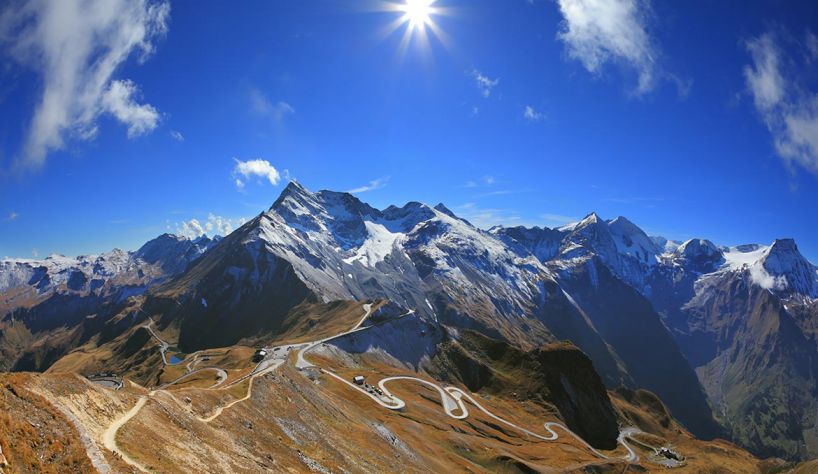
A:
418	21
417	13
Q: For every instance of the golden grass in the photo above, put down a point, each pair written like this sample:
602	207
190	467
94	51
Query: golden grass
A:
36	437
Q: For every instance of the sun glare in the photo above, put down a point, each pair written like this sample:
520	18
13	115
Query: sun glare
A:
418	13
418	21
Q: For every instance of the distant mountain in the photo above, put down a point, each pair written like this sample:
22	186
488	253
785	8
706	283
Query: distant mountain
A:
62	301
725	336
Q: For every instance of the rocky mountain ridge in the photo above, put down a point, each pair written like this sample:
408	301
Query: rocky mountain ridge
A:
642	308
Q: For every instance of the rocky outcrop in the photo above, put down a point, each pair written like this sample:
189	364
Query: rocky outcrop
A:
557	376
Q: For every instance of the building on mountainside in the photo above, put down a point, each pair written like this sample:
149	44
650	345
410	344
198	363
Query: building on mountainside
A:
259	355
358	379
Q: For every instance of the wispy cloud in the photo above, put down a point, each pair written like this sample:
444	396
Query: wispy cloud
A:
596	32
260	169
552	220
371	186
532	115
213	225
176	135
261	105
484	83
634	199
499	192
787	107
76	47
812	46
486	217
12	216
487	180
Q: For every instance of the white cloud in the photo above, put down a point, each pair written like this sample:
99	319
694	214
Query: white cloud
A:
118	100
371	186
596	32
788	108
532	115
76	46
484	83
254	168
12	216
177	135
262	106
214	225
760	277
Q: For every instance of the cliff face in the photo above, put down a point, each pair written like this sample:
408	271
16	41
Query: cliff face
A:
557	376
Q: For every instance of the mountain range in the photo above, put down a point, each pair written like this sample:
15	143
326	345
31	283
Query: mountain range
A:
726	337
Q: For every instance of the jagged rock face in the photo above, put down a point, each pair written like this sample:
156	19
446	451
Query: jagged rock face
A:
628	323
745	320
542	242
416	256
557	374
235	291
174	253
700	291
758	367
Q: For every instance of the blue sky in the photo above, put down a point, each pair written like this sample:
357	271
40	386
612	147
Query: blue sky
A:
693	119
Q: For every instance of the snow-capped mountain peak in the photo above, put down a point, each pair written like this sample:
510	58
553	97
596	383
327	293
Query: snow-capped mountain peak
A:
699	254
783	260
633	241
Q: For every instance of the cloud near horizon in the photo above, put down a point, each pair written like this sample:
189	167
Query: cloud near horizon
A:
214	225
597	32
788	108
76	46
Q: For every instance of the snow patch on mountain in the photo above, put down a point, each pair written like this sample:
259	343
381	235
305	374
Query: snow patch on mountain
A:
740	257
631	240
377	246
92	272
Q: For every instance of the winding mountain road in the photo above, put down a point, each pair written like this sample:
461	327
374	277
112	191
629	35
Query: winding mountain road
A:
301	363
163	346
453	406
221	373
109	436
452	399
